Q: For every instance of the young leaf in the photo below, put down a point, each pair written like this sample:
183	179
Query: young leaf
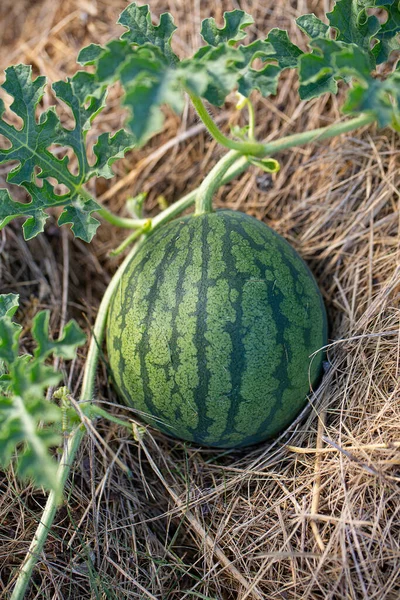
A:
316	70
30	147
141	31
27	419
90	54
284	51
8	305
64	346
353	24
264	80
235	22
313	26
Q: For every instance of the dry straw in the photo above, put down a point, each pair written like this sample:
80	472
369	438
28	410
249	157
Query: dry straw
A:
314	516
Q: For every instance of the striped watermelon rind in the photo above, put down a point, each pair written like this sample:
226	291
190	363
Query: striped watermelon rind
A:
211	330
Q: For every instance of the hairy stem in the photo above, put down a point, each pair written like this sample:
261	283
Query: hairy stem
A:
317	135
250	148
110	217
123	222
252	119
132	238
212	182
230	166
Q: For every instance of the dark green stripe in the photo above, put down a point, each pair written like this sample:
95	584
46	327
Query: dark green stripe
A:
235	330
165	246
204	374
175	310
187	372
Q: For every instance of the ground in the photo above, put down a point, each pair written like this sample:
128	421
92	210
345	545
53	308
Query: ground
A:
315	515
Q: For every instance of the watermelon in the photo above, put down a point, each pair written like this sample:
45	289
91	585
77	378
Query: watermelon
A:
211	330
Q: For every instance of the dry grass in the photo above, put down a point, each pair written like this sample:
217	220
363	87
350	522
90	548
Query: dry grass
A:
317	518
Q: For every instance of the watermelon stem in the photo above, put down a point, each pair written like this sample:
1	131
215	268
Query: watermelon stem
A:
249	148
213	181
132	238
244	102
123	222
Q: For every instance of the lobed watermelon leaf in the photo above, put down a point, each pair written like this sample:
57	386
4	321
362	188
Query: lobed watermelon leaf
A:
353	24
235	22
27	419
152	74
141	31
30	146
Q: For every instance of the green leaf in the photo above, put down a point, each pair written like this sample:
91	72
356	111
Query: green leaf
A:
27	419
217	71
264	80
380	98
284	51
9	334
77	211
367	94
30	147
317	70
149	84
313	26
235	22
8	305
108	149
78	214
353	24
350	18
152	76
353	61
90	54
109	63
141	31
277	48
65	346
19	425
388	34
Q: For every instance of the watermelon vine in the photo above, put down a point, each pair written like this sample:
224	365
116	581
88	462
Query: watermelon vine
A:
350	48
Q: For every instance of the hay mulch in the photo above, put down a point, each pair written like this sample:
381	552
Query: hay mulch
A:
315	515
